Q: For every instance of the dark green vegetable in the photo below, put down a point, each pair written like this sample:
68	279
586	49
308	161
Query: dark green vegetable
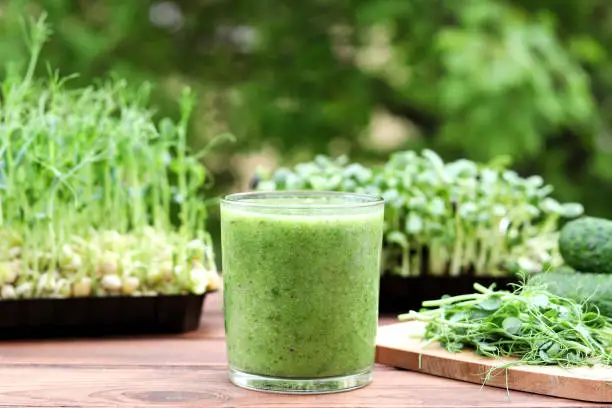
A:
530	324
586	244
583	287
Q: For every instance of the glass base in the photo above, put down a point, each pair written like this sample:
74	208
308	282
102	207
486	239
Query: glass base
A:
300	386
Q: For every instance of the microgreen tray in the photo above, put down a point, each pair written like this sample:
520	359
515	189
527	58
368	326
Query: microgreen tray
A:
400	294
99	316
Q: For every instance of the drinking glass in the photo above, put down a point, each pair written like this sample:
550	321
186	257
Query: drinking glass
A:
301	274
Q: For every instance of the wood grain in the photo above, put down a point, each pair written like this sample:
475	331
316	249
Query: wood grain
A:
401	345
207	386
190	371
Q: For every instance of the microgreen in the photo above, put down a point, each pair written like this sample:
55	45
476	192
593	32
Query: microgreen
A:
88	183
446	218
529	324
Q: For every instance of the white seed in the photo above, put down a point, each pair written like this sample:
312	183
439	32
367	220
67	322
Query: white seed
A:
8	273
108	267
16	266
74	263
111	283
14	239
69	261
8	292
111	236
214	280
126	265
42	258
154	275
195	245
67	250
139	268
15	252
130	284
199	280
148	231
167	270
164	252
46	282
82	287
62	288
177	270
24	290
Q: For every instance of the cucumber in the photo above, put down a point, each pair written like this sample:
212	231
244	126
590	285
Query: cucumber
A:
586	244
594	289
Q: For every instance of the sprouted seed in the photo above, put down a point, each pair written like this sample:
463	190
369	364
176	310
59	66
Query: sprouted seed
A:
89	183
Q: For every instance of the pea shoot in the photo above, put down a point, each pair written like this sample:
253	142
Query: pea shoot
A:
88	186
529	324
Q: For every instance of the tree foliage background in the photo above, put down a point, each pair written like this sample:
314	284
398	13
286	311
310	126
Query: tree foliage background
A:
530	79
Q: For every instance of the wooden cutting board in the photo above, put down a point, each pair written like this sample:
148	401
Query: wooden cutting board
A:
401	345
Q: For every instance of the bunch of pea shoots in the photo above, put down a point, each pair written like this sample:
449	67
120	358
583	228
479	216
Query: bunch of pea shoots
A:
528	326
445	219
96	199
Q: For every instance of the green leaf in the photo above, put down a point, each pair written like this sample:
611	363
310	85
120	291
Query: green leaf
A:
414	223
572	210
391	196
166	128
540	300
489	348
551	205
453	347
544	356
554	350
459	317
417	203
491	303
398	238
512	325
437	206
477	314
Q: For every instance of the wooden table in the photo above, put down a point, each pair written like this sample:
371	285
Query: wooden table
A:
190	371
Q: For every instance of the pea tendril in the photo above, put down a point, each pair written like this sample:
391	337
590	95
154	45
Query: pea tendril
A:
89	183
528	324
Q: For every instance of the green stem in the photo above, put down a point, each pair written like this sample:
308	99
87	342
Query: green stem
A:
451	300
483	249
406	261
417	260
457	257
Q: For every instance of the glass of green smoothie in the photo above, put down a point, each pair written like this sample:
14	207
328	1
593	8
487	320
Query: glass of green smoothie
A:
301	276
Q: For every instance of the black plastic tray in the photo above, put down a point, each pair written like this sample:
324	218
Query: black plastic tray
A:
99	316
401	294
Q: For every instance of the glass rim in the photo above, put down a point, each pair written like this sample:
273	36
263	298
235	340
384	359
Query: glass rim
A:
360	200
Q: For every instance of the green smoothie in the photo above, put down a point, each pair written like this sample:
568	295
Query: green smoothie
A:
301	290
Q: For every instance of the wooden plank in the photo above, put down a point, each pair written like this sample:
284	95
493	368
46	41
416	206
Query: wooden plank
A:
116	352
401	345
197	386
189	370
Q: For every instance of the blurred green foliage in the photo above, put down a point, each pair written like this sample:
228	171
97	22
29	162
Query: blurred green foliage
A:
474	78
